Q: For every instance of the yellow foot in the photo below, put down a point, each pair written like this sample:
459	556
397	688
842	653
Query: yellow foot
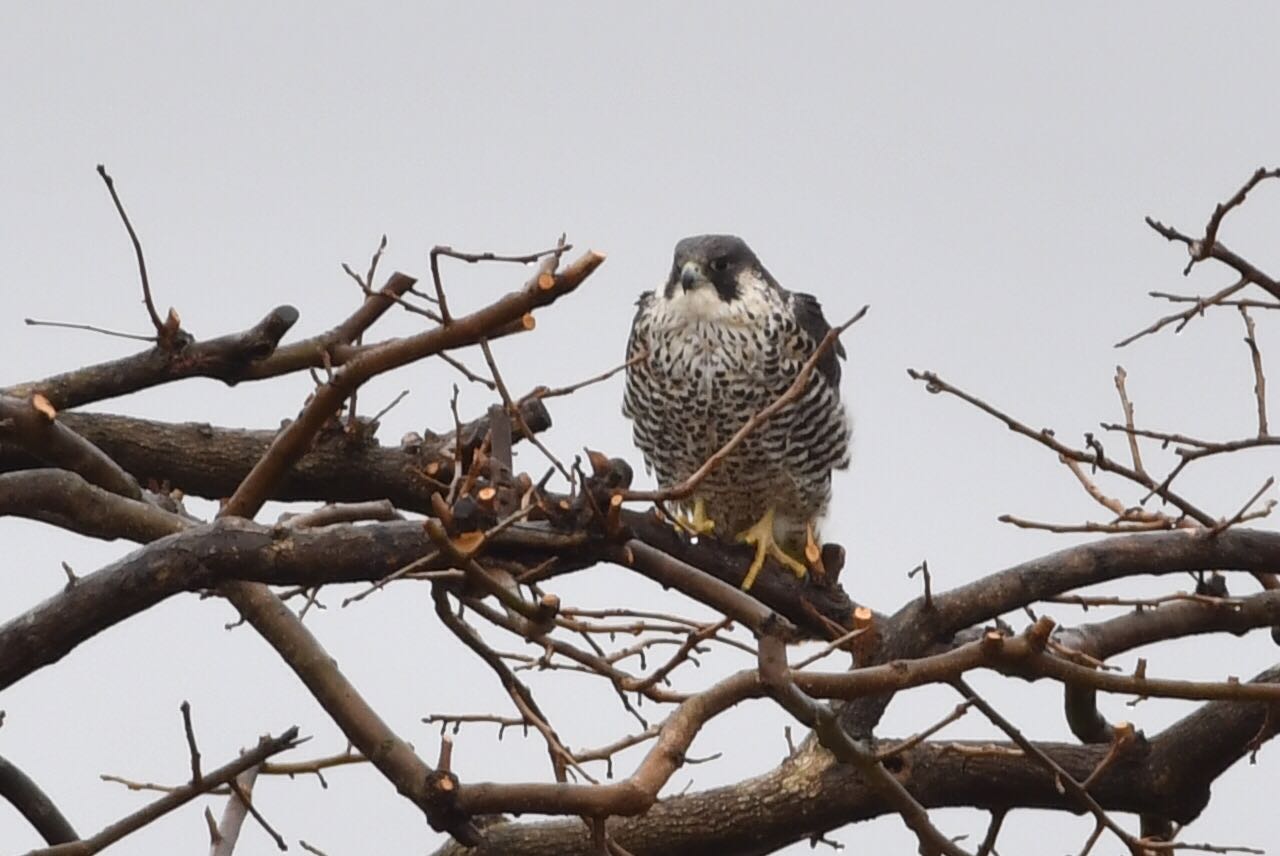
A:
699	523
761	535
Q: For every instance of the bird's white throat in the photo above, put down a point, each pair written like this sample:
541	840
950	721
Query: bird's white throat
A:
704	304
698	304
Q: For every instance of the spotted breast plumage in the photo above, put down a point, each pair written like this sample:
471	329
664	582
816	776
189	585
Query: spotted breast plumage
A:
722	340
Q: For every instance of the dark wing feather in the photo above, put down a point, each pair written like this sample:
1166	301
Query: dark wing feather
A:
633	339
811	320
634	346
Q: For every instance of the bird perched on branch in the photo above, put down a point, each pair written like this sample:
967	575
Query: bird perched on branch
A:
722	340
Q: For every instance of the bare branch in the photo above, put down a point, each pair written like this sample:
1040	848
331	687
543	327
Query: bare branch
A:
191	742
1205	246
34	425
179	797
561	758
227	833
165	333
827	728
1077	791
21	792
1127	406
552	392
1243	513
514	410
916	739
1184	318
33	322
1259	379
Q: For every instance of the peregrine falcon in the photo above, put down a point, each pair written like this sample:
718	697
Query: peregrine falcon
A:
722	341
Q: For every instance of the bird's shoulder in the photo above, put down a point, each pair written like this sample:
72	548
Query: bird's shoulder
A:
644	305
809	317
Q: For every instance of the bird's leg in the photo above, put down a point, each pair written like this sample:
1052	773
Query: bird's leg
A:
699	523
761	535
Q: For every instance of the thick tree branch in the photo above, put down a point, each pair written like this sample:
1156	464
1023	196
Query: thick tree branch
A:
810	793
1095	562
1150	625
67	501
202	556
207	461
732	601
18	789
204	460
34	426
918	626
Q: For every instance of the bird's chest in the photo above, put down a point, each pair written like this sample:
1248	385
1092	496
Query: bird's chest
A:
713	371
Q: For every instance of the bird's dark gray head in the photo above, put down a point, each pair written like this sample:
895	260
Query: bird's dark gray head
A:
713	261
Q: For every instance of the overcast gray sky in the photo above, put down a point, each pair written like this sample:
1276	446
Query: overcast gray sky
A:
977	173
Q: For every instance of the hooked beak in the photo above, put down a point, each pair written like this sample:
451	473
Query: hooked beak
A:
691	275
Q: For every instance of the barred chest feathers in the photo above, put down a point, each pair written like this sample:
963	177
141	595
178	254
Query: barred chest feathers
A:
715	355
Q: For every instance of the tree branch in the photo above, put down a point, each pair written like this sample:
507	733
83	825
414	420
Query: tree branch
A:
227	358
18	789
810	793
204	460
177	798
33	425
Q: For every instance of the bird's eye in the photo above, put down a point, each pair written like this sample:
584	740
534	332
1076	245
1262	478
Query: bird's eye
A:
720	264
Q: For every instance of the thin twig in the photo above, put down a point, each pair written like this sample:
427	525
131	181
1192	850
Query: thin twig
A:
1115	528
179	797
514	410
457	720
923	570
916	739
142	262
552	392
32	322
384	411
463	370
1064	778
1204	248
471	258
1046	437
1123	735
988	845
1248	303
1259	379
834	645
1184	318
191	741
1242	514
561	758
244	795
1127	406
